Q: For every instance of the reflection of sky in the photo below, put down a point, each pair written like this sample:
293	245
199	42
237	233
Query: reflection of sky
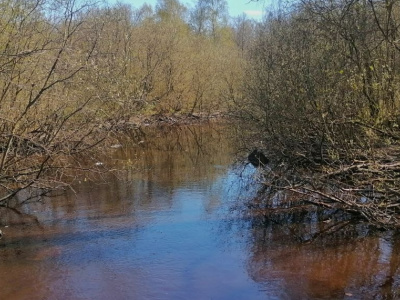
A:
154	236
169	252
177	235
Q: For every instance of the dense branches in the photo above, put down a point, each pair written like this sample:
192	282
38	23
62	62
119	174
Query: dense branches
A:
323	92
70	71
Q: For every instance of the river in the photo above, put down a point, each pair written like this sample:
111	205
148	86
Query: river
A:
174	223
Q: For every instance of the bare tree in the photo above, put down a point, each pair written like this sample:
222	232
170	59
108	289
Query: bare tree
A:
321	93
43	117
209	16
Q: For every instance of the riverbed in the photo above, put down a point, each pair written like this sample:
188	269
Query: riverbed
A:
174	223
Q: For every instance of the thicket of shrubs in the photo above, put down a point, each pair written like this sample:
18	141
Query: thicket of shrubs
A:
322	91
71	70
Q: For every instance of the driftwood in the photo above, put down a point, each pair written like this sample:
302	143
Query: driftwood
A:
369	190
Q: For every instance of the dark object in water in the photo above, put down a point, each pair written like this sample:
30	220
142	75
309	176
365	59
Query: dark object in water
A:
257	158
1	234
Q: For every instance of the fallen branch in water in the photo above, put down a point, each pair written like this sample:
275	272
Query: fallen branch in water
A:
369	190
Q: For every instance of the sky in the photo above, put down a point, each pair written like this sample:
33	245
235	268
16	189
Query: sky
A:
236	7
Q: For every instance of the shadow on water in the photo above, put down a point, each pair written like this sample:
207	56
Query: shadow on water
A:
181	221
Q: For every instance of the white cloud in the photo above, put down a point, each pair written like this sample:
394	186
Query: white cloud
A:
253	13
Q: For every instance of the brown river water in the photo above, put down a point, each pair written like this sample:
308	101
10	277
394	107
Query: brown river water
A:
175	224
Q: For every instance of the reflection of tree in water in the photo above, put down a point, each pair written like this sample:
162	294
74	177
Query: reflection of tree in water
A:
319	254
170	155
156	161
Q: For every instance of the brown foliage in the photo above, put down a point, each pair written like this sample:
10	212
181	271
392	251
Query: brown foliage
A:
323	93
70	72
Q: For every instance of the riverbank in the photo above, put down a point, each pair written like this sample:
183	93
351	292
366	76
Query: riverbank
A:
366	189
169	119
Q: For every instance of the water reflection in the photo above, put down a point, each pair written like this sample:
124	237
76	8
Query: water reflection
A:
319	254
177	223
151	233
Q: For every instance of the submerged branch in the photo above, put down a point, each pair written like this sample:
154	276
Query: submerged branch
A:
368	189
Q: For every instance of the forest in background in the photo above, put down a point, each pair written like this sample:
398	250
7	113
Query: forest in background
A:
71	71
315	85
